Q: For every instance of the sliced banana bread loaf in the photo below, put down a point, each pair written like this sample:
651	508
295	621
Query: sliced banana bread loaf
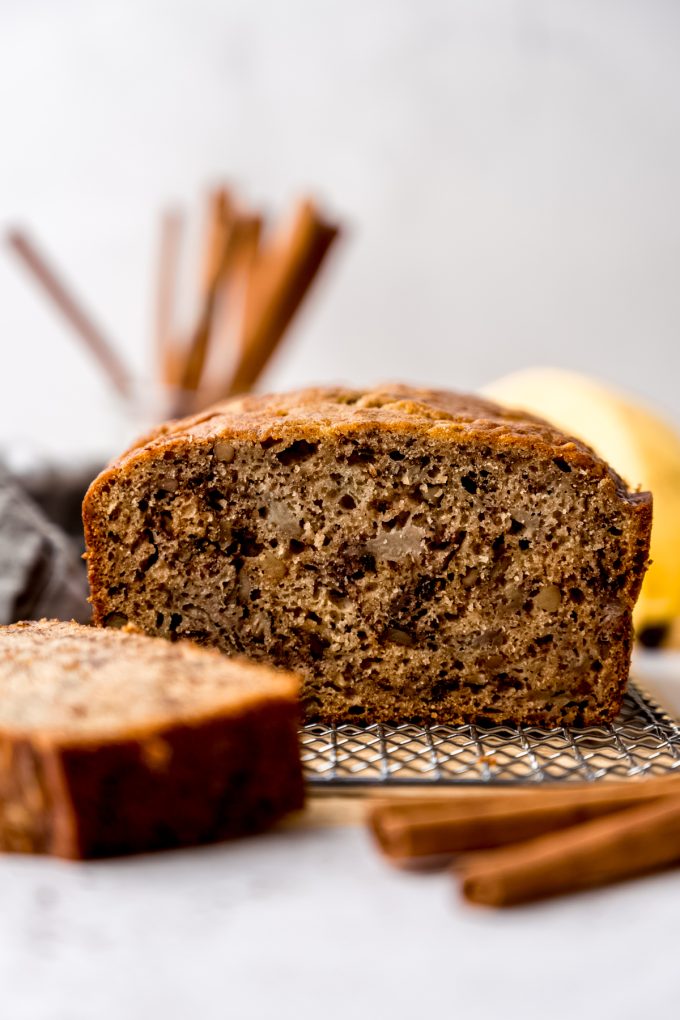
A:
112	742
415	554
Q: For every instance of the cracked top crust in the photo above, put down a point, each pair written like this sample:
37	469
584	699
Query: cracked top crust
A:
321	412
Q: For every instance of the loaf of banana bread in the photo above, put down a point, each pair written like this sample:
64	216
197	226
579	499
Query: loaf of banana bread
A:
416	555
112	742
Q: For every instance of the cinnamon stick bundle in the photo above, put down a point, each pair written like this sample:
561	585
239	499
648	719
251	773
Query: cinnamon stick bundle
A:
251	288
252	283
631	842
428	833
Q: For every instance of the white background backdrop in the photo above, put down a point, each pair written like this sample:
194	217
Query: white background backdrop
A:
509	172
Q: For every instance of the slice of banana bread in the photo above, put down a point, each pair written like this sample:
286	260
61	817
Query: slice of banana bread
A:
417	555
112	742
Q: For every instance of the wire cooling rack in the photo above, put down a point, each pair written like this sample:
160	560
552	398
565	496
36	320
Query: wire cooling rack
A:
642	740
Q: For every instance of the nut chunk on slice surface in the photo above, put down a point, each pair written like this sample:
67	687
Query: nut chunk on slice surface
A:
414	554
114	742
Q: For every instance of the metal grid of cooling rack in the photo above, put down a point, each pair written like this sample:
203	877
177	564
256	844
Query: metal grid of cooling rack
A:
642	740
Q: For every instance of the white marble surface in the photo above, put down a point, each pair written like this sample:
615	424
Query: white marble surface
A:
315	925
510	174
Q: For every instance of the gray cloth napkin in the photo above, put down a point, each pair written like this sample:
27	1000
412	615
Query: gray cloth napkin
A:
41	574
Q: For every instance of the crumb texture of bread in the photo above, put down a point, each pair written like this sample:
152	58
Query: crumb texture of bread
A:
113	742
413	554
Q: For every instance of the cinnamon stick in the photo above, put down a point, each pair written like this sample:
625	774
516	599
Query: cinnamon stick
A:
83	325
219	220
632	842
227	334
429	832
219	243
282	278
167	353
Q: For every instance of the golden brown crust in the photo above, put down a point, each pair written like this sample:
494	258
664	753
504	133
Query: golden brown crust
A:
319	412
186	785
